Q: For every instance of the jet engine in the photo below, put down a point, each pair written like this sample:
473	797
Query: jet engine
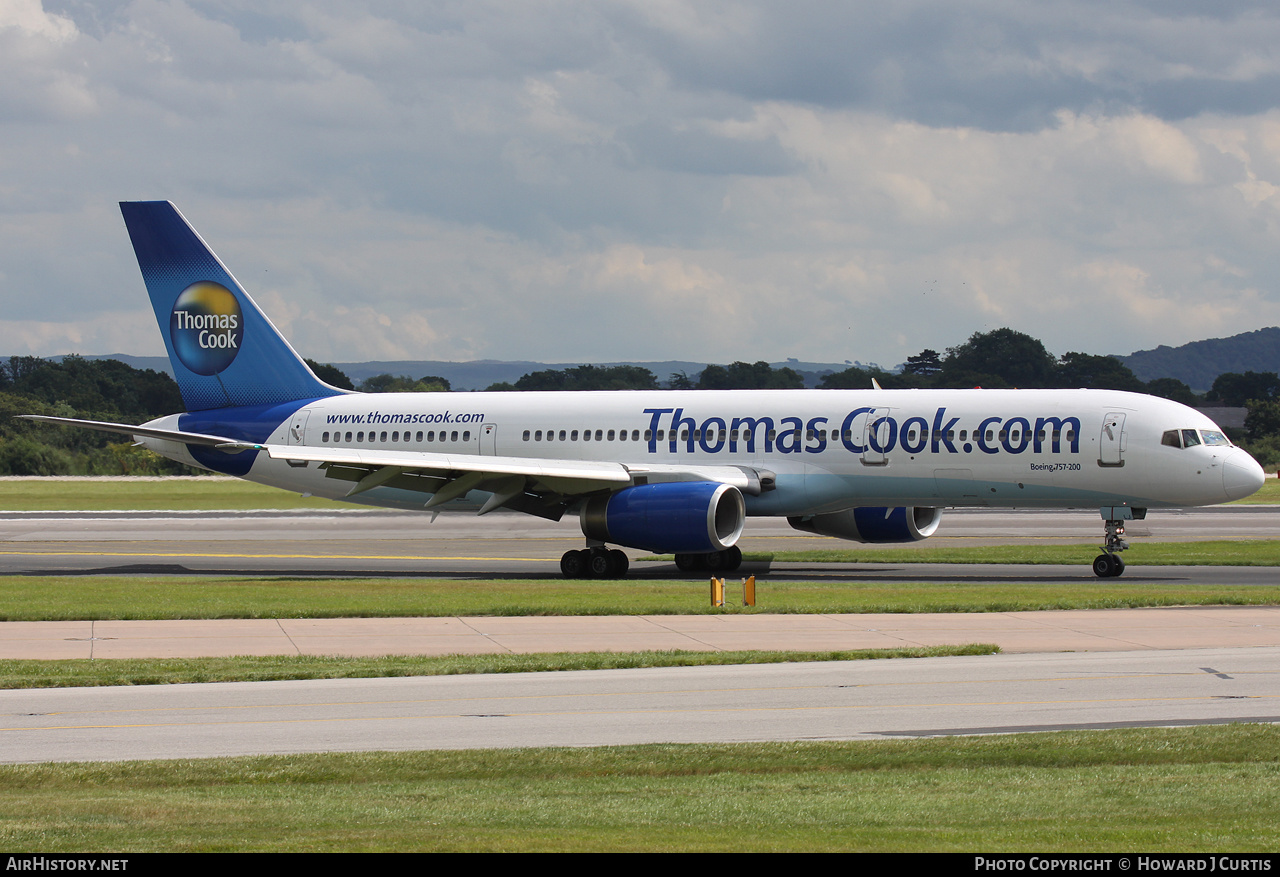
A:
902	524
677	517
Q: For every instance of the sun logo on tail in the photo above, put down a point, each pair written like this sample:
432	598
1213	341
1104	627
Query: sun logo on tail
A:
206	327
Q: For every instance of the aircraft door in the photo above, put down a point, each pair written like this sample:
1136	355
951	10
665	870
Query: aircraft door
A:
297	431
489	439
1111	443
877	437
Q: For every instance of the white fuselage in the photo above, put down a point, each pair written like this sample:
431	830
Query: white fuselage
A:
827	450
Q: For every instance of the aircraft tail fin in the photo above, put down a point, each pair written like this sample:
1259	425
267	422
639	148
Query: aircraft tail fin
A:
224	350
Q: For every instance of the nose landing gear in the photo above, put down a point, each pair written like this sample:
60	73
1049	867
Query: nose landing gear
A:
1108	565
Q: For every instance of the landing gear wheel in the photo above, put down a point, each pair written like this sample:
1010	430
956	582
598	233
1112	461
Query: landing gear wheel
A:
602	565
689	562
732	558
620	561
1107	566
573	564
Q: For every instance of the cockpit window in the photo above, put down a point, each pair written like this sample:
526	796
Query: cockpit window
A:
1187	438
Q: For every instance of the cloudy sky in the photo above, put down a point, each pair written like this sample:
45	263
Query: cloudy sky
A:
613	180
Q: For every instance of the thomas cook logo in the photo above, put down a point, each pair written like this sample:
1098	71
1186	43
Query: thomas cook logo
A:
206	327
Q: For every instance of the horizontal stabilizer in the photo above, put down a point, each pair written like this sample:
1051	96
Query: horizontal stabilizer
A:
172	435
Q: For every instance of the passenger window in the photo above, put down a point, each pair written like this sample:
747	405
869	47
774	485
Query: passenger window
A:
573	436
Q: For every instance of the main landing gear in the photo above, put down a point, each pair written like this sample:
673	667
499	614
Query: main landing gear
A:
594	563
600	562
1108	565
715	561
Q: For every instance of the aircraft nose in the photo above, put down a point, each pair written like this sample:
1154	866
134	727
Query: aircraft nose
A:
1241	475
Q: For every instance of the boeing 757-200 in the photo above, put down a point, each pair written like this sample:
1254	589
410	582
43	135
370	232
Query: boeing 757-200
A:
665	471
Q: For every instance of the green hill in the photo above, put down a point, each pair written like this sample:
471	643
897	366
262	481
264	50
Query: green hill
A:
1197	364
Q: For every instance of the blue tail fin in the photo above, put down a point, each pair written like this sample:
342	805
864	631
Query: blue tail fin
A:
224	351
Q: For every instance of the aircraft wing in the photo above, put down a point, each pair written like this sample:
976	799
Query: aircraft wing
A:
448	476
533	485
537	486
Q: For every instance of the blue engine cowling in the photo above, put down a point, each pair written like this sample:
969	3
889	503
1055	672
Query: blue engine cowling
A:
902	524
678	517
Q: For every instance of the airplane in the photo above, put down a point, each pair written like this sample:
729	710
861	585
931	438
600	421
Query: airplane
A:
666	471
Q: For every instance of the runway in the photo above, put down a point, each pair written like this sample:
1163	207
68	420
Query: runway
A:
1060	670
349	542
818	701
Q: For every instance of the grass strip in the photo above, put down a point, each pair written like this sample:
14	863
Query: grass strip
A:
168	671
85	598
182	494
1201	789
1244	552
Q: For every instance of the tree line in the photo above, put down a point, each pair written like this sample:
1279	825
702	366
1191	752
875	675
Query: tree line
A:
1002	358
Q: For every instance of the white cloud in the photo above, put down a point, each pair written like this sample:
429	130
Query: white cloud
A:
30	17
603	181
